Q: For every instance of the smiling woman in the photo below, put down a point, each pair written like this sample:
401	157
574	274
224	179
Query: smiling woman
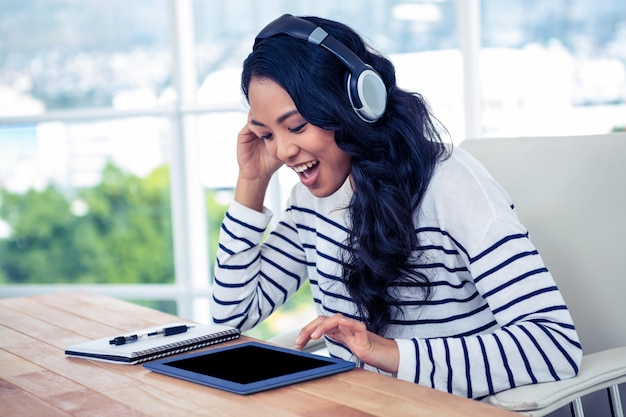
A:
411	249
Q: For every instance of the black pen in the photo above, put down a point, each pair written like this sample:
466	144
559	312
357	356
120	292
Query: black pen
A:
167	331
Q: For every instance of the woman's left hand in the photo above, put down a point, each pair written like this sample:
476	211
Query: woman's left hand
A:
369	347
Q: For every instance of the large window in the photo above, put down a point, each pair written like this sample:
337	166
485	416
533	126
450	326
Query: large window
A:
118	119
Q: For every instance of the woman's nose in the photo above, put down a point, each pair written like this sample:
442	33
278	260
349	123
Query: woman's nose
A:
285	148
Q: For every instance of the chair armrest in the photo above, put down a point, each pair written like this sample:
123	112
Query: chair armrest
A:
598	371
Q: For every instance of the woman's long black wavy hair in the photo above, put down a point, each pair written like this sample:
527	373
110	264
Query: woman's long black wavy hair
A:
392	160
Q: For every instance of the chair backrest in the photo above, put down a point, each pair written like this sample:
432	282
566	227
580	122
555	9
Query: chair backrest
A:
570	192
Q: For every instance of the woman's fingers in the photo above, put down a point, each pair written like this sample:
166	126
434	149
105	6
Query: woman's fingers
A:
371	348
316	329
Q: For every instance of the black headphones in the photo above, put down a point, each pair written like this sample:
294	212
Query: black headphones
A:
366	89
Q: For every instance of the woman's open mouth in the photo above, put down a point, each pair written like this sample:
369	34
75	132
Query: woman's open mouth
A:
307	172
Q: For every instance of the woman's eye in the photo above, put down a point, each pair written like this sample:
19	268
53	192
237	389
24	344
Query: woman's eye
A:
298	128
266	137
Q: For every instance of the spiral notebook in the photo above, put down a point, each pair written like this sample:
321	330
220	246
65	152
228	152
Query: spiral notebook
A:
150	348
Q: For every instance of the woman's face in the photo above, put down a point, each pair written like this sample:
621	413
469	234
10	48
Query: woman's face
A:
307	149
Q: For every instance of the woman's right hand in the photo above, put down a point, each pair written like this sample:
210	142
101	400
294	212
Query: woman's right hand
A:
255	162
256	167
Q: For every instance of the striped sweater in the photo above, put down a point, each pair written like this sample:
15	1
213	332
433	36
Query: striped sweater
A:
495	318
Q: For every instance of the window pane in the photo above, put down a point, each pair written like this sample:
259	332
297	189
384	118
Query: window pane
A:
66	54
85	202
553	67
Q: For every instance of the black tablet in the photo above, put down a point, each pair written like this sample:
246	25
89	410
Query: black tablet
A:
249	367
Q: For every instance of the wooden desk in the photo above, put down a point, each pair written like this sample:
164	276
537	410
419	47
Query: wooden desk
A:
37	379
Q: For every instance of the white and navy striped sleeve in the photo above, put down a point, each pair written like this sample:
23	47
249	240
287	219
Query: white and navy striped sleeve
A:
251	279
533	340
531	337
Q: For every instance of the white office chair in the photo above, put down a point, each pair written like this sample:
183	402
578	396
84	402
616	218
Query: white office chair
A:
570	192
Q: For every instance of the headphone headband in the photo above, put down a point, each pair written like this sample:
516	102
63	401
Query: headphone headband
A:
366	90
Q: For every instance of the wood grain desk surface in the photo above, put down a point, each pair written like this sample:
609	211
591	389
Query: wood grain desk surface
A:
37	379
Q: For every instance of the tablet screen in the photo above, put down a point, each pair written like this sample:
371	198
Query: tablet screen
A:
248	364
249	367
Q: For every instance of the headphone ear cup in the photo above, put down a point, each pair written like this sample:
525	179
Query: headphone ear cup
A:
367	94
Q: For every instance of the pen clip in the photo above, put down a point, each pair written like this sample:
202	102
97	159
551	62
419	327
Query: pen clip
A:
168	331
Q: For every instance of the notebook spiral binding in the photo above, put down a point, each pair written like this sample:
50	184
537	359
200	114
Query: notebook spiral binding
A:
184	346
